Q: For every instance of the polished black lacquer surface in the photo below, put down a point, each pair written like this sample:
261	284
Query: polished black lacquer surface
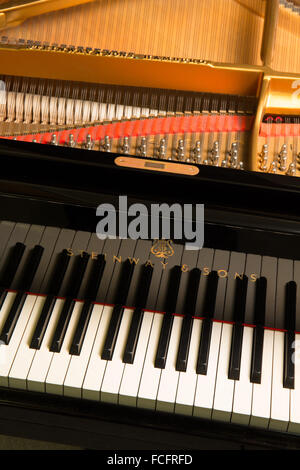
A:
247	212
61	186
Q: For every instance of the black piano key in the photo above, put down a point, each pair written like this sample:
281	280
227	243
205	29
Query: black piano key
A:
187	324
208	310
52	292
289	336
117	313
62	325
10	270
23	287
236	351
203	354
164	341
95	278
170	307
72	291
257	353
90	297
124	284
133	336
238	328
258	334
138	314
184	343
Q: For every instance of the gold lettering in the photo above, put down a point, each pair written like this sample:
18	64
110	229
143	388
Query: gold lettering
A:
134	260
205	271
148	263
237	275
220	271
94	255
81	253
253	277
70	252
184	268
115	258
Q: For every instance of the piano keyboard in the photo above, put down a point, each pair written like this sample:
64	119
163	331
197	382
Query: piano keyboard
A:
208	334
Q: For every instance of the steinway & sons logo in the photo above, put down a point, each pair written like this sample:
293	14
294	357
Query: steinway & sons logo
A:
162	249
163	222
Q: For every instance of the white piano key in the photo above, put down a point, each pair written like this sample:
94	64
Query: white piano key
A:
96	366
115	368
9	300
151	375
223	399
242	398
60	361
132	373
169	376
204	396
42	359
77	368
294	424
188	380
280	397
261	398
24	356
8	351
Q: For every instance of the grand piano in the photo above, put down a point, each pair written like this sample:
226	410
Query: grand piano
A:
143	344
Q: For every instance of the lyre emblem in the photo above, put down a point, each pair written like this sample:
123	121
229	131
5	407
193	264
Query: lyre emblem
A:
162	249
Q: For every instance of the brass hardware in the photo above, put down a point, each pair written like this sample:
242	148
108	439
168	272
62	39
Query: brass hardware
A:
269	34
13	13
153	165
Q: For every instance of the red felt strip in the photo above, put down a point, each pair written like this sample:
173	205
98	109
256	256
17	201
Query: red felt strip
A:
158	126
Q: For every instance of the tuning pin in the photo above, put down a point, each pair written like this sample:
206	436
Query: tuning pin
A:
180	150
241	166
264	157
273	167
142	149
215	154
89	144
34	141
291	169
162	148
106	145
125	146
53	140
71	142
234	155
283	158
197	152
225	162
